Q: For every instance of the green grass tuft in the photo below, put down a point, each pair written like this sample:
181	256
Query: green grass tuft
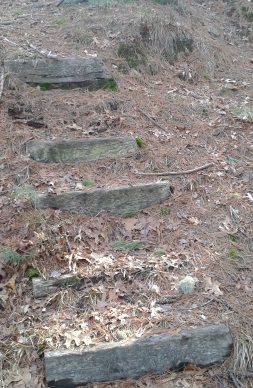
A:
87	182
140	143
121	245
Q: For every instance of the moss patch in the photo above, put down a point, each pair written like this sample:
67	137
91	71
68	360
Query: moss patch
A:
133	54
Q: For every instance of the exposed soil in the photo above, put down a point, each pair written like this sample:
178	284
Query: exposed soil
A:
189	109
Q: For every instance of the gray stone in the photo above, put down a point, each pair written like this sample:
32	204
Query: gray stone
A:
133	358
87	72
81	150
115	199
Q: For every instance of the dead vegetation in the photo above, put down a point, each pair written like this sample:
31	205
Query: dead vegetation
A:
189	109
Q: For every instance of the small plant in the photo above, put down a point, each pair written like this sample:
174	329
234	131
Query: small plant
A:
110	84
165	211
133	54
61	21
121	245
247	14
44	86
25	192
232	253
159	252
18	12
9	255
140	143
87	182
244	113
41	86
32	272
129	213
231	237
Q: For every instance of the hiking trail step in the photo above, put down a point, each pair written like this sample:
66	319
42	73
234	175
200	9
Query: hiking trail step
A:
81	72
81	150
113	199
156	353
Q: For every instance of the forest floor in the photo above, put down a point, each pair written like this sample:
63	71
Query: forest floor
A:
189	110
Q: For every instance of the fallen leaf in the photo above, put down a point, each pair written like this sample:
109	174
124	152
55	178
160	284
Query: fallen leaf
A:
11	283
212	287
2	270
78	337
194	221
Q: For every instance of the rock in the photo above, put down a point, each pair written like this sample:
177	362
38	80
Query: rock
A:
81	150
68	72
133	358
115	199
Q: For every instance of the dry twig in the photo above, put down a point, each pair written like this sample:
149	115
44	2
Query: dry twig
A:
152	120
176	172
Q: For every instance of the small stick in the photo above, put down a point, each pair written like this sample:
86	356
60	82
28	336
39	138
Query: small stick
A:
152	120
175	172
1	83
235	380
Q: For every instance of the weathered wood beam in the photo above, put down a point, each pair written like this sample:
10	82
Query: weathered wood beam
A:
42	287
81	150
114	199
156	353
81	71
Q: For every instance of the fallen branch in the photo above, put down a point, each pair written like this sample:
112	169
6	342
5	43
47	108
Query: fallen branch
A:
237	383
175	172
2	83
42	52
152	120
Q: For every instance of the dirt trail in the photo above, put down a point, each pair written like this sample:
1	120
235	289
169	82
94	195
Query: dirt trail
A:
189	110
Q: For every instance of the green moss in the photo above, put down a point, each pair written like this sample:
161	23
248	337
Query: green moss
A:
165	211
32	272
133	54
25	192
159	252
87	182
18	12
41	86
129	213
140	143
121	245
232	253
110	84
59	22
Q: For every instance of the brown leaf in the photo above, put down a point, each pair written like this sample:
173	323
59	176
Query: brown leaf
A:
212	287
2	270
11	283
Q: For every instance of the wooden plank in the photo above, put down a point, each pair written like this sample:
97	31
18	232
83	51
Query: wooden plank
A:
156	353
42	287
84	71
81	150
115	199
